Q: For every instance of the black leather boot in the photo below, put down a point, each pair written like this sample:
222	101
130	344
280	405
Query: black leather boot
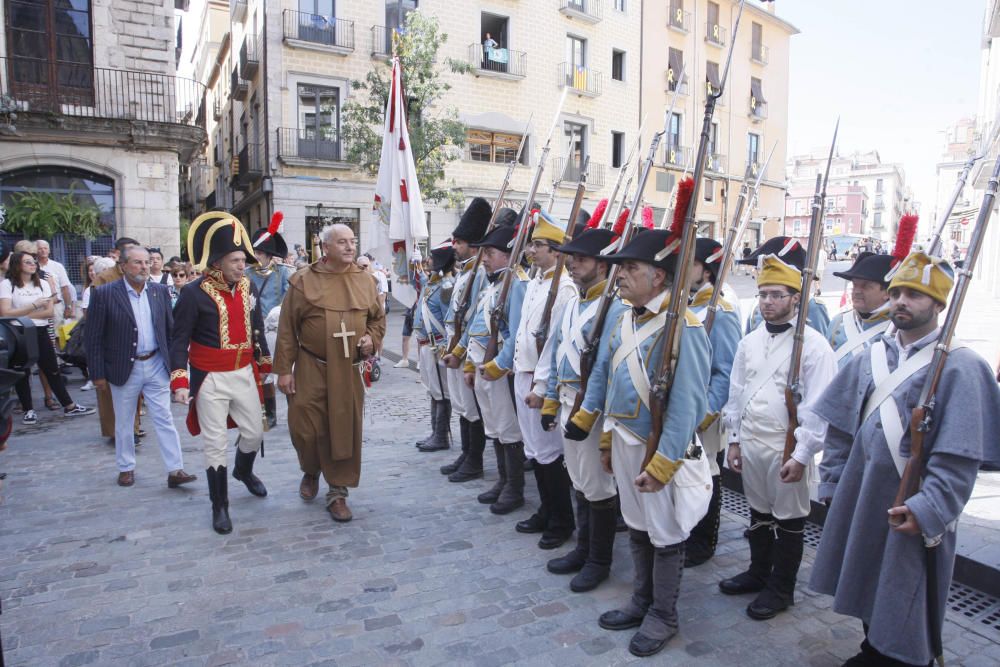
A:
574	560
472	467
512	495
700	545
442	429
243	471
463	431
490	497
560	524
631	615
434	409
271	411
537	522
661	623
761	558
597	568
218	491
779	593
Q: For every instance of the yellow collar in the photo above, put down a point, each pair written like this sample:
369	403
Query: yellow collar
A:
594	291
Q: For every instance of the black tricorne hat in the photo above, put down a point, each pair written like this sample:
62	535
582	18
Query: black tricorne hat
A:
442	258
500	238
275	245
868	266
709	253
472	225
644	248
214	235
789	250
507	217
589	243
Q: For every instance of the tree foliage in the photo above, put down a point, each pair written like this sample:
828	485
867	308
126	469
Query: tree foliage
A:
42	215
436	134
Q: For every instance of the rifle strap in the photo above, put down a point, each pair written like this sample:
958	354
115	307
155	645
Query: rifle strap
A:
572	339
629	350
432	325
857	337
776	362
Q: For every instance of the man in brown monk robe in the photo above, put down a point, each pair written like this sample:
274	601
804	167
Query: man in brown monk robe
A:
331	321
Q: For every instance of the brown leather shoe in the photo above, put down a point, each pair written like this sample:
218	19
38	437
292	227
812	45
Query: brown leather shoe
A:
339	511
179	477
309	487
126	478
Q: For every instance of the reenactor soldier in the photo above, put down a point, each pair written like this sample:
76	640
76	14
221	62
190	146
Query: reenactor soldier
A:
852	331
791	252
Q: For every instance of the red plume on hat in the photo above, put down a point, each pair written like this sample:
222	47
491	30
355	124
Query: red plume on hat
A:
685	190
905	233
620	224
272	228
595	220
647	217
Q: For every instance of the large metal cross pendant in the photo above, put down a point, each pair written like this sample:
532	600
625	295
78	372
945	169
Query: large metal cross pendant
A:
344	335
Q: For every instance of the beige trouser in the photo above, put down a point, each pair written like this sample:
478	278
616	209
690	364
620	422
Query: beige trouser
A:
762	485
583	458
463	399
432	373
229	394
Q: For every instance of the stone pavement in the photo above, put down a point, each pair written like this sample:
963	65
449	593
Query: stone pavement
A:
91	573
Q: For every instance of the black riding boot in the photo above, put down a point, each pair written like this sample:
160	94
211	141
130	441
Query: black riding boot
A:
472	467
243	471
218	491
434	411
512	495
463	431
631	615
761	558
442	429
537	522
779	593
660	623
560	524
574	560
271	411
597	568
700	545
490	497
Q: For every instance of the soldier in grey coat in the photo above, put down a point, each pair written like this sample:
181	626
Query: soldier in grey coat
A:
877	572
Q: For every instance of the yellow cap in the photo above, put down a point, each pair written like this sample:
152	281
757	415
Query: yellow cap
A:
548	228
773	271
928	275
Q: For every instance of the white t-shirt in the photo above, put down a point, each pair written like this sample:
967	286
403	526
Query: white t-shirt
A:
22	297
383	282
85	301
57	271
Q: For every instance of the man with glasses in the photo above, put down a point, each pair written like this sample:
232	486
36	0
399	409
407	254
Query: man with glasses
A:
156	272
756	419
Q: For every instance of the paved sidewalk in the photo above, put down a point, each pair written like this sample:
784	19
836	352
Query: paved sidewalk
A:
91	573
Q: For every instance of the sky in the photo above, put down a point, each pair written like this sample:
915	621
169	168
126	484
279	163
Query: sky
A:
897	72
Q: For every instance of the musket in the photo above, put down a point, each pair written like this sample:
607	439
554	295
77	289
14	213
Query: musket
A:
793	387
497	315
659	391
747	197
542	333
937	240
463	299
922	417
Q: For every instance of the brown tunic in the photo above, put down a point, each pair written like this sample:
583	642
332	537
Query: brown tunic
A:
325	413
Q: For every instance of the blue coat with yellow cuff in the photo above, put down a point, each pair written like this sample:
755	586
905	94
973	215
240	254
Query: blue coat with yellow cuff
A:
619	399
478	328
838	333
431	295
478	280
724	337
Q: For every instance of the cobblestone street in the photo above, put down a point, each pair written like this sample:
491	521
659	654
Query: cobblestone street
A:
91	573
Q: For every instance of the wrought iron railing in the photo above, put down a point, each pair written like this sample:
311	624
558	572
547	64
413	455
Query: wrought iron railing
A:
239	87
499	60
70	89
318	29
677	156
715	34
310	144
678	19
250	54
759	53
756	109
582	79
590	8
568	173
250	163
381	41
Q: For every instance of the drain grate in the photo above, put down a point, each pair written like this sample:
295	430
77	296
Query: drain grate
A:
976	606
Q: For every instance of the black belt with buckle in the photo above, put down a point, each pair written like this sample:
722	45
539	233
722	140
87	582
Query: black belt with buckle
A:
144	357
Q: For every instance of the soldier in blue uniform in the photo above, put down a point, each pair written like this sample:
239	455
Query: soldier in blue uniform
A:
428	327
724	335
662	502
791	252
852	331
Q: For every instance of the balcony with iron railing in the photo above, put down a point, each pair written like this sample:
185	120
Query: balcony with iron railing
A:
760	54
670	83
677	156
679	20
500	63
756	110
250	165
218	103
315	31
582	80
715	163
754	169
568	173
309	146
238	10
250	54
240	87
589	11
381	42
715	34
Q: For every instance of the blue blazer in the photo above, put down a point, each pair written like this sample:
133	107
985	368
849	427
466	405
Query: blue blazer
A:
111	334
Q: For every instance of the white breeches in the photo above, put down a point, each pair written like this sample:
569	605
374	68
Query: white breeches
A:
499	415
711	441
583	458
432	372
669	514
543	446
229	394
463	399
764	490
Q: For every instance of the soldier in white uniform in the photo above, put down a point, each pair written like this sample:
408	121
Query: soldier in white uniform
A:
756	419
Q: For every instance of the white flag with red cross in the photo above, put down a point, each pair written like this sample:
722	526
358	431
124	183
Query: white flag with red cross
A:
397	222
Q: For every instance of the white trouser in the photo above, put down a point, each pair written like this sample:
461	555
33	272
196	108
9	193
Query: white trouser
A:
229	394
463	399
150	379
499	415
669	514
272	339
762	485
432	373
711	441
583	458
539	444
